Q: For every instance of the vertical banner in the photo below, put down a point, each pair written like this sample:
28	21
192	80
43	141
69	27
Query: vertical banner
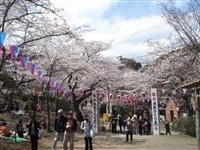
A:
110	104
95	112
155	112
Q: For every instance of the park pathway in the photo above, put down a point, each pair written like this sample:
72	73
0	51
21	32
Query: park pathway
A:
108	141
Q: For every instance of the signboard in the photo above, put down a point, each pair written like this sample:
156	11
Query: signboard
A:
155	112
95	119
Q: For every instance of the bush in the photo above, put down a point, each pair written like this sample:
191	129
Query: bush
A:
185	125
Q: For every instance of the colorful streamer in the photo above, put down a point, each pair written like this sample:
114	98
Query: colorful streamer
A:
14	51
2	39
46	80
32	68
40	73
24	60
1	53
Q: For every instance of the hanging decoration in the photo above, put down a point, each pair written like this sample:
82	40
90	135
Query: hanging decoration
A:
46	81
122	99
14	51
40	73
23	60
1	53
32	68
2	39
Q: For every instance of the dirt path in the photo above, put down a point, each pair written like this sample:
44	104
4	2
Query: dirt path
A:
117	142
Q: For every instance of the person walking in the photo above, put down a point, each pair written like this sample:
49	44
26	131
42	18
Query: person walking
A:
33	127
86	126
71	126
59	128
167	128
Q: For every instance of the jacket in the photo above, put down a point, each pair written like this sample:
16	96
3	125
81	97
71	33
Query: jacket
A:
60	124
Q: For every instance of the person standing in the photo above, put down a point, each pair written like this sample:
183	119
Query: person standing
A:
33	127
140	126
167	128
71	126
59	128
135	125
114	124
43	126
86	127
148	127
120	122
129	129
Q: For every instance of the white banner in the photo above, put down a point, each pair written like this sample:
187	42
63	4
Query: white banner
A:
95	119
155	112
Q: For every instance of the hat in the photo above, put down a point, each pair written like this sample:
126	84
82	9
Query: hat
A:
60	111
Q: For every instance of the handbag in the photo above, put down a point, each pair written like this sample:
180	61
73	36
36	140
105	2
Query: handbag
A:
92	133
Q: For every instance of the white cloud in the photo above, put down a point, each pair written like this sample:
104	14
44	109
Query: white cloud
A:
82	6
128	36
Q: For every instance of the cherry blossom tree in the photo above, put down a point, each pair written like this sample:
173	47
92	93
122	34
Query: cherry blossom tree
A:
178	61
82	68
28	24
46	38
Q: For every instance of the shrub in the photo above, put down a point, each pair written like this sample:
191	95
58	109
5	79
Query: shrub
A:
185	125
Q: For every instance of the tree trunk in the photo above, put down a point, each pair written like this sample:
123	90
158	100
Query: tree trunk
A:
77	111
48	111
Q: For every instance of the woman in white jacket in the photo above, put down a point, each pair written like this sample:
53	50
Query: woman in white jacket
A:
86	126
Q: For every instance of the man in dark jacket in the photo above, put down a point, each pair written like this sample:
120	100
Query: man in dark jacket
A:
59	127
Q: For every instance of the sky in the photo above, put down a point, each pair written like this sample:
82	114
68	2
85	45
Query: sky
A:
128	24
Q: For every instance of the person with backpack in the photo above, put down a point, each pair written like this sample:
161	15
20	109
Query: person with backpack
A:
59	128
86	127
